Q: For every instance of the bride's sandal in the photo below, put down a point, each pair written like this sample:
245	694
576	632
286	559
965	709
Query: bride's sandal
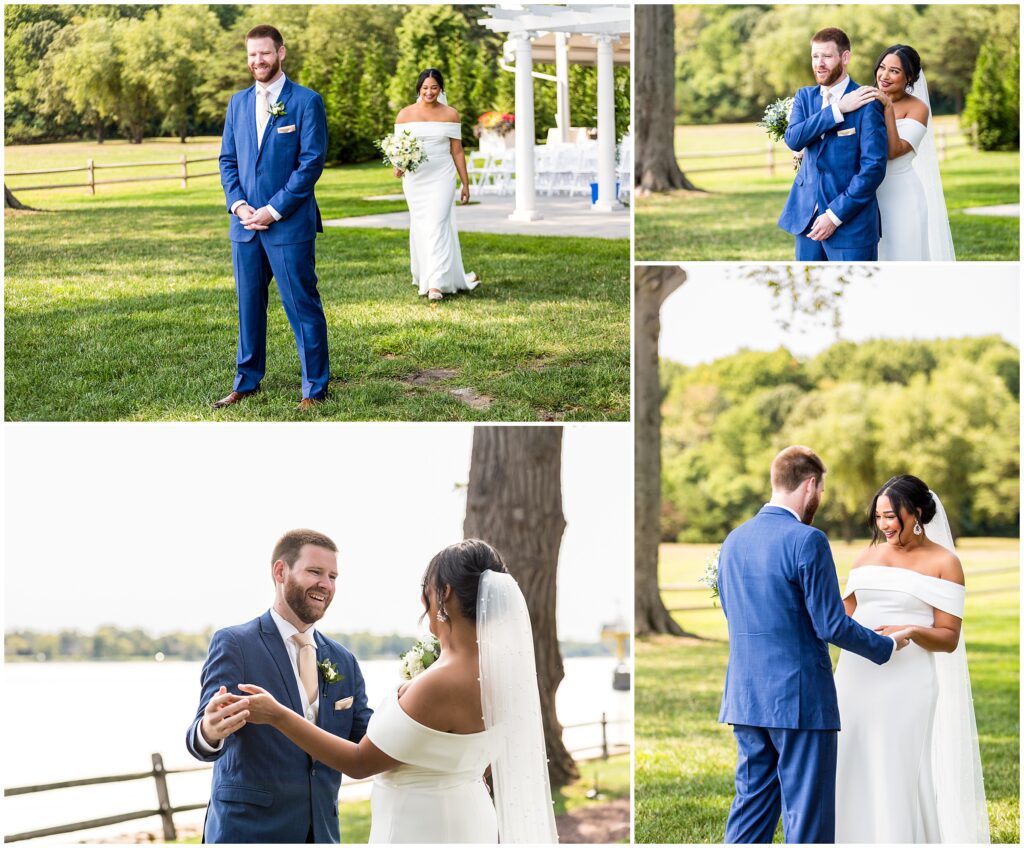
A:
435	294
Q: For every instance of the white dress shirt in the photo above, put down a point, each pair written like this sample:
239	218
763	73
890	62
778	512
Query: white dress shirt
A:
273	92
310	711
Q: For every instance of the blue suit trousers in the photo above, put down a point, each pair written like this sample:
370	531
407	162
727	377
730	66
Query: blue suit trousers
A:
293	266
809	250
787	771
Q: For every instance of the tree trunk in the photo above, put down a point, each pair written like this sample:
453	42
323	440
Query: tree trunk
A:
101	131
652	284
656	168
11	202
515	504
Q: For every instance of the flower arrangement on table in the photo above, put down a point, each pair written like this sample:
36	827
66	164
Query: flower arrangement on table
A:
501	123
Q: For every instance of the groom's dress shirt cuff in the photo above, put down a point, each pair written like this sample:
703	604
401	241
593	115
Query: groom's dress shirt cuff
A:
206	748
839	116
277	216
893	648
833	217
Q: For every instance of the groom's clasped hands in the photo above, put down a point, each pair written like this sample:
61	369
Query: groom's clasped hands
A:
254	219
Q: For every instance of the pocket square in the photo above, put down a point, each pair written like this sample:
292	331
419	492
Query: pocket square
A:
850	131
289	128
344	703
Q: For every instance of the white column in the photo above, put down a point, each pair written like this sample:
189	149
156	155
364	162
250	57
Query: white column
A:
526	196
606	201
563	117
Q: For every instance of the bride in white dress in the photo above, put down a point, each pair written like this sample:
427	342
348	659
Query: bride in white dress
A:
915	224
434	251
431	740
909	768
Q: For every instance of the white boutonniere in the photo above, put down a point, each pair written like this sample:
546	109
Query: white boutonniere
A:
329	671
420	656
276	110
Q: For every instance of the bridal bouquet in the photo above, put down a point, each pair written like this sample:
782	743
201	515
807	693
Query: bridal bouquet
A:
420	656
776	118
402	150
710	576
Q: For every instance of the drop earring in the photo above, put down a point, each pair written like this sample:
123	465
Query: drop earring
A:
917	528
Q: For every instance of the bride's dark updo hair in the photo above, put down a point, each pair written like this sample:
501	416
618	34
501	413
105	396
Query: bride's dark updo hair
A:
429	73
904	491
910	61
460	566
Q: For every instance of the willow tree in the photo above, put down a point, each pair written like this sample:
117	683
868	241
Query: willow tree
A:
656	167
514	503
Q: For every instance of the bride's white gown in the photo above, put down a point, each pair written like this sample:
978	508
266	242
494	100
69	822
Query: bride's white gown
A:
901	201
438	794
889	757
435	255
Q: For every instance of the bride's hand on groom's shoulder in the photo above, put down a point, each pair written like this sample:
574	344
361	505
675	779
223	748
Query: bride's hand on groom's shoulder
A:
853	100
263	708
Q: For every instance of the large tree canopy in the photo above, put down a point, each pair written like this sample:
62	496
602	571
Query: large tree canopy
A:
946	411
73	71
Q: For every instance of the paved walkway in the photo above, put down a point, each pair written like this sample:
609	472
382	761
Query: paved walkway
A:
562	216
1006	210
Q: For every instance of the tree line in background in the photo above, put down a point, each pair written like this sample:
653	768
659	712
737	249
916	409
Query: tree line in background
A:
947	411
731	61
114	643
77	71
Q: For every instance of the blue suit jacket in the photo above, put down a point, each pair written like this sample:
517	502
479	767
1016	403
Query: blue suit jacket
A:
265	789
281	172
839	172
780	594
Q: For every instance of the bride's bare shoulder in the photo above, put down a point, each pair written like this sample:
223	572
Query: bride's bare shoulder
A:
405	114
947	565
866	557
434	695
917	109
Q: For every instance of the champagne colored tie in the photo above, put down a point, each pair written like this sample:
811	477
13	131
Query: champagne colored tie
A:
307	664
262	111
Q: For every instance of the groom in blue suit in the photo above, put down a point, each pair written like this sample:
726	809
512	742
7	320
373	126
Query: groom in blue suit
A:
778	587
272	153
831	209
265	789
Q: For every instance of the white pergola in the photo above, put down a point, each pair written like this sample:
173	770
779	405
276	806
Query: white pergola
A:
584	34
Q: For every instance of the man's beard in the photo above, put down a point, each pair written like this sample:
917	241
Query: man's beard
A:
295	597
811	508
272	72
834	76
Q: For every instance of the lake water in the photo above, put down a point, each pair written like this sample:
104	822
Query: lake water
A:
72	720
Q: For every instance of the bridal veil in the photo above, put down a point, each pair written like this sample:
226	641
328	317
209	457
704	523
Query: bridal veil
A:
956	758
511	702
926	163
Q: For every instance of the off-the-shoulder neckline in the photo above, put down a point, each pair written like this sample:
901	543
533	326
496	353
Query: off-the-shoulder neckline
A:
907	570
398	703
406	123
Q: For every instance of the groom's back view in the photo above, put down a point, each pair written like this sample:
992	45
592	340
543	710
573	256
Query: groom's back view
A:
780	594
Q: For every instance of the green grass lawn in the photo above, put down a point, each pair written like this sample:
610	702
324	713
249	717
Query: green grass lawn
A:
735	216
121	306
610	777
685	760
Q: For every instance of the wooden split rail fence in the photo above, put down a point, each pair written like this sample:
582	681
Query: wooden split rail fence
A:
775	153
709	605
166	810
91	167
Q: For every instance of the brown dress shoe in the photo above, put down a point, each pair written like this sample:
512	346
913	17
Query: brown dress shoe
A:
233	398
307	404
